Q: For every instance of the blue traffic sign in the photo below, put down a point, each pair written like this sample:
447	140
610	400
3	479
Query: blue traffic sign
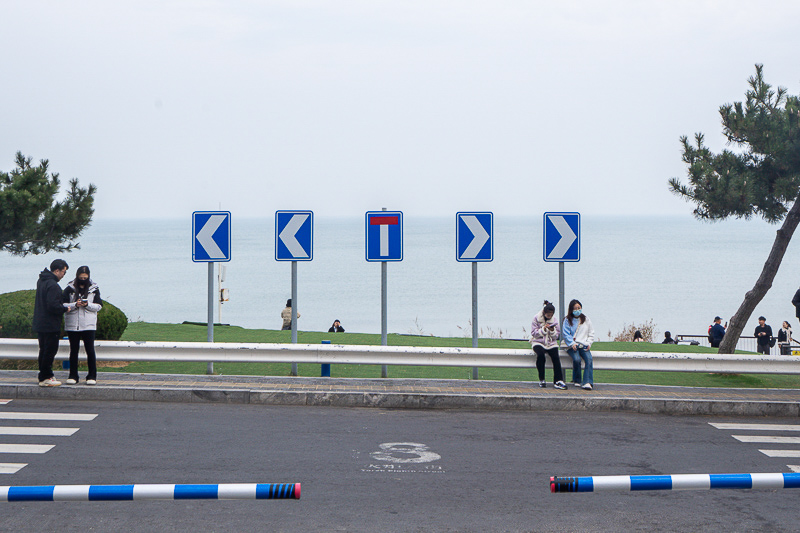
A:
562	237
474	239
211	236
384	235
294	235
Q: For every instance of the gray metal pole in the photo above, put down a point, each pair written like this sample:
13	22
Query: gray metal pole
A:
474	312
294	311
384	327
210	366
561	310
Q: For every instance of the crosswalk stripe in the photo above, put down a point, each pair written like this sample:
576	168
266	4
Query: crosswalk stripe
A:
11	468
44	432
758	427
794	468
26	448
765	438
8	415
781	453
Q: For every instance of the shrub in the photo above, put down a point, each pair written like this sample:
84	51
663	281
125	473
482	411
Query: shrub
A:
16	317
647	329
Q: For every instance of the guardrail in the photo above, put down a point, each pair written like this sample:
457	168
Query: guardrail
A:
406	355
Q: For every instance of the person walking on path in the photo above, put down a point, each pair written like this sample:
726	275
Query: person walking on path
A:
578	335
763	333
82	300
286	315
785	338
716	332
47	313
544	334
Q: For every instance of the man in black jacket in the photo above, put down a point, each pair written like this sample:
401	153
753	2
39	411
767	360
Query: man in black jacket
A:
47	313
796	303
763	336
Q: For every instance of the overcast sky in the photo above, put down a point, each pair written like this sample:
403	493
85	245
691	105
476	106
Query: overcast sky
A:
429	107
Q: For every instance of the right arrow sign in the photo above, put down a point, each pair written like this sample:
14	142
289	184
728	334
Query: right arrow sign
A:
474	237
562	237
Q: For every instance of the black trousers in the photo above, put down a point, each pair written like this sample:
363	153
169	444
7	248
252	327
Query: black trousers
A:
75	338
558	374
48	348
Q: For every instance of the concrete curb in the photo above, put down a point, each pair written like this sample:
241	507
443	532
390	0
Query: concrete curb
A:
407	400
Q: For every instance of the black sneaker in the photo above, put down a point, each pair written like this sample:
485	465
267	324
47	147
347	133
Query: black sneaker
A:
543	384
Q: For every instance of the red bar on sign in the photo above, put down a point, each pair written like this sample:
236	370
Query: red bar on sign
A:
384	221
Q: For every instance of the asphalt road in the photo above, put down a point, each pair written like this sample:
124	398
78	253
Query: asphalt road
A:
463	471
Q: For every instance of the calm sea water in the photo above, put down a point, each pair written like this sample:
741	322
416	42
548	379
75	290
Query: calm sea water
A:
676	271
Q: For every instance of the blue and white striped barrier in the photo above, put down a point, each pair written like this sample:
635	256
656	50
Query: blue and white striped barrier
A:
93	493
675	482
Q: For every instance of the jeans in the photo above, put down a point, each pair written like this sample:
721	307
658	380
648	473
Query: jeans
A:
588	372
558	374
48	348
75	338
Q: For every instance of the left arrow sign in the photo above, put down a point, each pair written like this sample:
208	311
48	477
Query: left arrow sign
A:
206	237
289	236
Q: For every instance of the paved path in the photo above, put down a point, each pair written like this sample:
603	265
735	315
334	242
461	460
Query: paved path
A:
409	393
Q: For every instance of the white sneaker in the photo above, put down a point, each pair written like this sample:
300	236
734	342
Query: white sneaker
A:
71	381
50	382
588	386
91	382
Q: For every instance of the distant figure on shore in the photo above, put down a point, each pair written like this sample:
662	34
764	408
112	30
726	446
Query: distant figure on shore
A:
637	336
785	338
716	332
796	304
336	327
82	300
578	335
763	333
286	315
544	339
668	338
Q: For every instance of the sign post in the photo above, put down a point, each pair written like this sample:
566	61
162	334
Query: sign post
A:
294	241
384	243
211	243
562	244
474	244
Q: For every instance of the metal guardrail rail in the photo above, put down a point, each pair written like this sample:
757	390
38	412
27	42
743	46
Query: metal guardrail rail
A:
406	355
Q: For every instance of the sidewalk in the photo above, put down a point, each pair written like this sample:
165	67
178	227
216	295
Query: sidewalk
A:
407	394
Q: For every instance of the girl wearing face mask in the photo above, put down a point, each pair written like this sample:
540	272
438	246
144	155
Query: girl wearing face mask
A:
82	300
578	335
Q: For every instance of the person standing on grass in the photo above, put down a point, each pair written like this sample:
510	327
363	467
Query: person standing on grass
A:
286	315
82	300
716	332
544	334
785	338
47	313
763	336
578	335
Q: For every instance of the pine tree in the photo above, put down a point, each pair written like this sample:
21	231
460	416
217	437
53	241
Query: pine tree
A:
760	178
31	221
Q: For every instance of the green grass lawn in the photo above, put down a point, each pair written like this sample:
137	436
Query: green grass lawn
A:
144	331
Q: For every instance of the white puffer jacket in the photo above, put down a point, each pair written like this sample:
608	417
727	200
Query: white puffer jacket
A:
81	318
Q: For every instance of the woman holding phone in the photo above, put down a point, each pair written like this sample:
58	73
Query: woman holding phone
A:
544	337
82	300
578	335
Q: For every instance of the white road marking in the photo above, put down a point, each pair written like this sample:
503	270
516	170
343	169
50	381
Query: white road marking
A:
404	450
3	402
44	432
11	468
7	415
26	448
781	453
794	468
758	427
769	439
